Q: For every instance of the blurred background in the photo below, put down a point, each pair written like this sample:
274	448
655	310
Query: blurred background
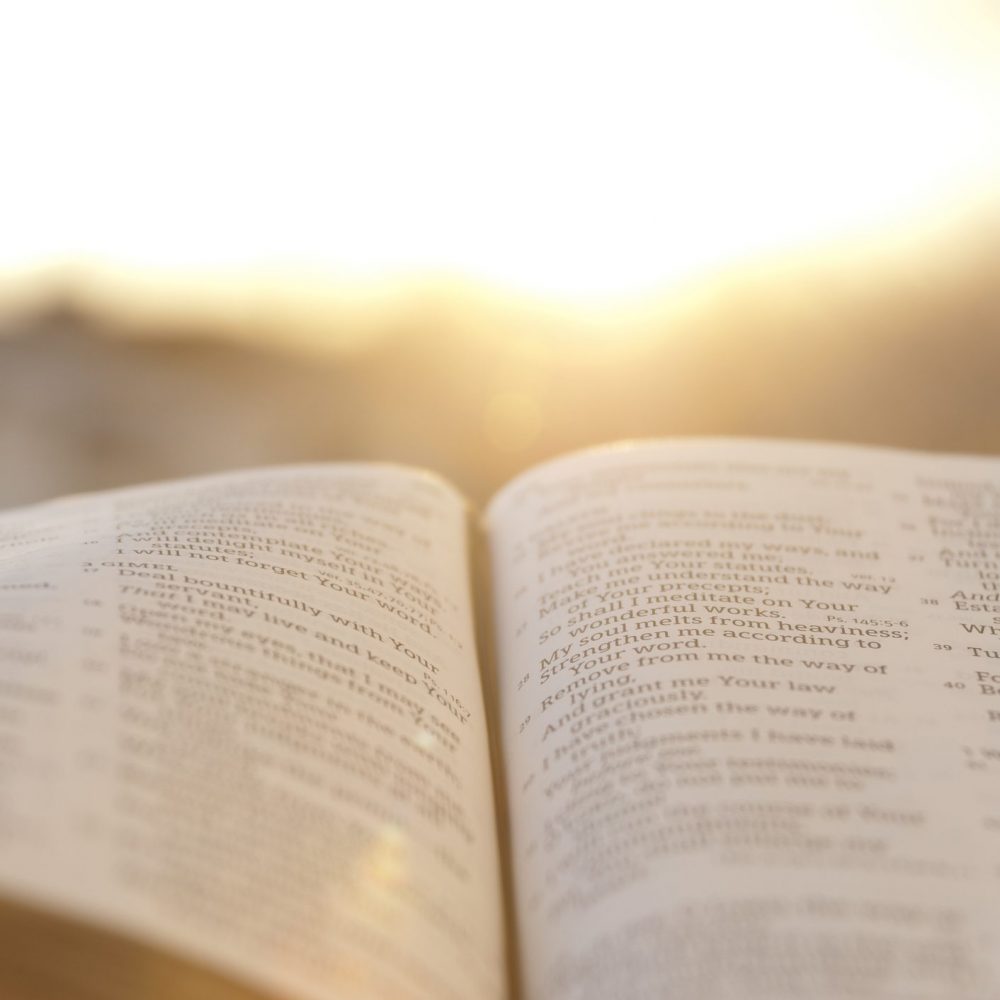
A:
470	236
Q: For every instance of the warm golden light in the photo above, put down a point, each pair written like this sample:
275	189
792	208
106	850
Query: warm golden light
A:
574	150
512	419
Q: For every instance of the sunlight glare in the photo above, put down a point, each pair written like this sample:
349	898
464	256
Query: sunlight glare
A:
571	150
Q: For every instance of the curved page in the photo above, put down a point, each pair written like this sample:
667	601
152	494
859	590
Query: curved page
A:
241	718
751	722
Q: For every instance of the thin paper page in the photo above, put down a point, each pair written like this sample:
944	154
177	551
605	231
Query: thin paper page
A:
750	696
242	719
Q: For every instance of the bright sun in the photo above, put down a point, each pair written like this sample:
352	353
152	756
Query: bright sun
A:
566	149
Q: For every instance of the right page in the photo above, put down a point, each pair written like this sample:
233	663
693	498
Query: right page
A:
750	697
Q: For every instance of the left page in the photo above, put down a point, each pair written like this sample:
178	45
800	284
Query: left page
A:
241	719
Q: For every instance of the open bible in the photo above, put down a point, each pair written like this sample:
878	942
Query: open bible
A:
696	719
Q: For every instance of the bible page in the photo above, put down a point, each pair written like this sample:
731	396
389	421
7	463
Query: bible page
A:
241	718
750	702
